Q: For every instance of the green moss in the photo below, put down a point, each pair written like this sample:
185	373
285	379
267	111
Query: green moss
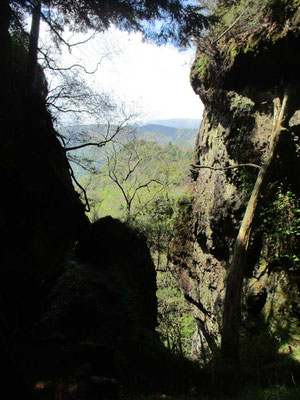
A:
252	22
233	50
240	104
296	18
252	46
203	67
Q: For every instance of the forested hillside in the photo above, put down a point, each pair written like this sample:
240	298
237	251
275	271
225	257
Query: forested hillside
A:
142	182
135	175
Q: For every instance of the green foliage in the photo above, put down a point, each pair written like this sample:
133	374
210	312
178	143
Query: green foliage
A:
243	26
156	221
203	67
176	21
165	165
277	392
154	214
281	227
233	51
176	323
247	177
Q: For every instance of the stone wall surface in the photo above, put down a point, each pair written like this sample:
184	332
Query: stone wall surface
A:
238	80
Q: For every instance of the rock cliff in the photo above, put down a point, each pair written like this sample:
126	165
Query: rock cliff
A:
72	320
249	59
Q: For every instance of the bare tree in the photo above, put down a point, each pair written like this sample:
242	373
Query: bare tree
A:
127	165
84	143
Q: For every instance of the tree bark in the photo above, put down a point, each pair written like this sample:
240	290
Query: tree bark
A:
33	47
232	305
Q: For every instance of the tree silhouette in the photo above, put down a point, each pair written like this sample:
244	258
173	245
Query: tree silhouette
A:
177	20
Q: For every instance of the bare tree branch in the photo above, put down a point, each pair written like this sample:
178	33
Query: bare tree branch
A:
195	166
46	57
51	24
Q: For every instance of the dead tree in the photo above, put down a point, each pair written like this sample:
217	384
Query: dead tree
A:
232	305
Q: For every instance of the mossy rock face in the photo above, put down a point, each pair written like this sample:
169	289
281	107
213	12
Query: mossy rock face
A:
254	42
238	78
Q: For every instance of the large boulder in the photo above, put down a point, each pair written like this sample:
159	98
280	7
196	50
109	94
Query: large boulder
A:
96	327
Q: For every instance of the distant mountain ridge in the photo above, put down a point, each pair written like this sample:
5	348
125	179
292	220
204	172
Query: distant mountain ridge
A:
179	123
160	133
164	134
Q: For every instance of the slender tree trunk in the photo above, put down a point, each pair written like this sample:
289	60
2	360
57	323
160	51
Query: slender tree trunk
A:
33	47
5	49
128	211
209	338
232	306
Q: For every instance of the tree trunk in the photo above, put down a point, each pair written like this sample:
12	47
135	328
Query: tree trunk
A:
33	47
232	305
209	338
5	48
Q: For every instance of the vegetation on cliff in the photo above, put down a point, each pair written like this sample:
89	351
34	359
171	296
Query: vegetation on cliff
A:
241	37
244	82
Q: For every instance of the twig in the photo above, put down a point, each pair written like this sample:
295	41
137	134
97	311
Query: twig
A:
80	146
224	168
232	25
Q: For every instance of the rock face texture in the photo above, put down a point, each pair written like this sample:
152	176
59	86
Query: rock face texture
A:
74	322
238	79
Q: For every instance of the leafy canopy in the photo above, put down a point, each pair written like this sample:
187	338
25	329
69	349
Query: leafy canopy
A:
159	20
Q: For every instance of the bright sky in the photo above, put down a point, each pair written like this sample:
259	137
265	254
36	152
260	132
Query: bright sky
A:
155	80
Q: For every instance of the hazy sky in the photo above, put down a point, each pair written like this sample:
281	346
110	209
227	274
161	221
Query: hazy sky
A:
155	80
